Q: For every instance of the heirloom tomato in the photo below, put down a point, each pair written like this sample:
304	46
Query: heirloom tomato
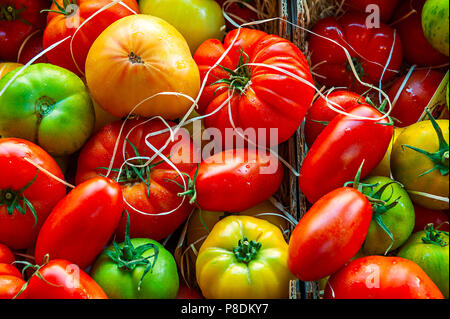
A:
149	191
384	167
243	257
66	19
27	195
435	14
375	52
264	102
138	65
380	277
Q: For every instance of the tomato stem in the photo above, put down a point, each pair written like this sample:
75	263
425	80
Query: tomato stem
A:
66	9
433	236
246	250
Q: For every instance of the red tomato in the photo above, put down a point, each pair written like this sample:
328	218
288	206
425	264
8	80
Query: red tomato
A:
320	111
329	234
239	12
10	270
425	216
61	25
6	255
157	194
31	47
10	286
416	48
18	19
236	180
184	292
22	187
416	94
380	277
340	149
62	280
369	48
261	97
82	223
386	7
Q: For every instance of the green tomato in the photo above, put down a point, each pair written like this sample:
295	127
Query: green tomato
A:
392	222
429	249
49	106
196	20
435	16
121	280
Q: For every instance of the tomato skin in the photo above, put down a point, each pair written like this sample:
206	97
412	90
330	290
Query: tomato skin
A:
272	100
14	32
384	167
31	48
329	234
162	196
379	277
10	270
60	26
234	180
241	14
387	7
339	150
416	94
371	47
419	51
7	67
63	280
425	216
19	231
66	234
184	292
320	111
6	255
435	15
10	286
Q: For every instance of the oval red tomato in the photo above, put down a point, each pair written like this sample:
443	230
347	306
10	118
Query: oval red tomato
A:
10	286
6	255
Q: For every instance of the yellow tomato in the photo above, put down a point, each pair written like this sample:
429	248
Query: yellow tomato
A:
6	67
137	57
384	167
244	258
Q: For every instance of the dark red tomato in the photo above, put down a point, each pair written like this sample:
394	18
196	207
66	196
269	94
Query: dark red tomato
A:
416	48
236	180
380	277
425	216
386	7
82	223
369	49
329	234
184	292
414	97
27	195
31	47
64	24
18	19
10	270
150	189
62	280
320	112
10	286
239	12
6	255
340	149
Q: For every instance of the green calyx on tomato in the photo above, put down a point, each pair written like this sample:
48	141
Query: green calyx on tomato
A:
66	9
190	190
13	198
440	158
358	67
434	236
11	13
246	250
239	78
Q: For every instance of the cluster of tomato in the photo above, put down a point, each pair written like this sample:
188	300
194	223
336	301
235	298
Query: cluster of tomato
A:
101	103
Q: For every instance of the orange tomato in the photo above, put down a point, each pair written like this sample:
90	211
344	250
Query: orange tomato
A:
8	67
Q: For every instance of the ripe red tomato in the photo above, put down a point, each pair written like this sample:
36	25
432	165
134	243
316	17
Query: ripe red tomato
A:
239	12
31	47
416	94
329	234
10	270
10	286
184	292
18	19
386	7
147	189
82	223
369	49
380	277
320	112
340	149
236	180
6	255
416	48
27	195
62	280
63	24
425	216
261	97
